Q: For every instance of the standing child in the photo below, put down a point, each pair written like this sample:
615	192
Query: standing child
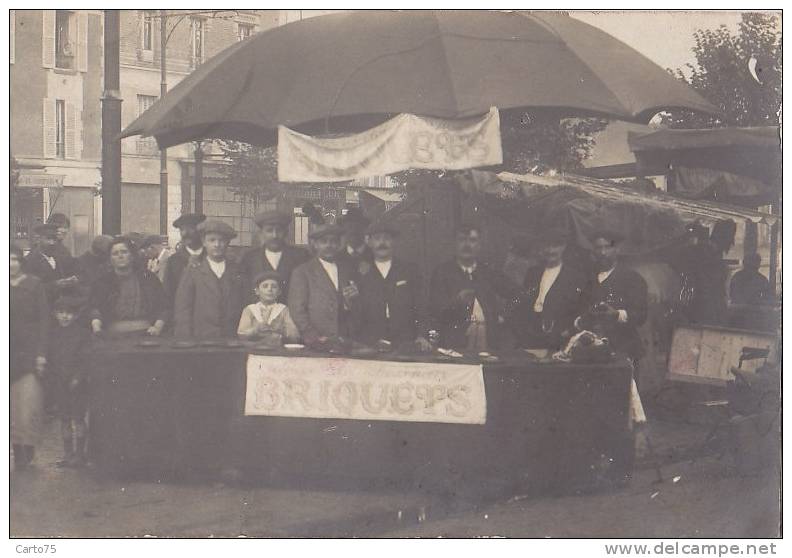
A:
69	342
267	315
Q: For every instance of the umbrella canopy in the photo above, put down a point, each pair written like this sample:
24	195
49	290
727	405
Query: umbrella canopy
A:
348	71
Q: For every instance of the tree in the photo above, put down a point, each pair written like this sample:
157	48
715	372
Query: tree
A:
722	74
252	171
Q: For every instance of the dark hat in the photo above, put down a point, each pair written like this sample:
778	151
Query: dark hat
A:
272	217
217	226
552	237
136	238
323	230
70	303
151	239
382	227
47	230
354	219
189	219
59	220
266	276
610	235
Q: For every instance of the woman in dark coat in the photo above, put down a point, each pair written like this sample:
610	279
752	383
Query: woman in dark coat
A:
127	300
29	328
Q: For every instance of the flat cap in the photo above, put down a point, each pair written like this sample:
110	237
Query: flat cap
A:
266	276
610	235
378	227
219	227
48	230
59	220
320	231
189	219
70	303
272	217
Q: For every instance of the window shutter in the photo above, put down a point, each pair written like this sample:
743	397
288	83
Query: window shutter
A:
71	132
12	29
82	42
78	134
48	40
48	128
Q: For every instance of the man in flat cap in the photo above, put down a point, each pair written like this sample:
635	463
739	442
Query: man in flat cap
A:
274	254
56	269
209	299
554	297
323	291
391	306
156	253
190	247
619	297
354	250
464	297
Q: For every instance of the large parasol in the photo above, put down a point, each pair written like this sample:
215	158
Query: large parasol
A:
348	71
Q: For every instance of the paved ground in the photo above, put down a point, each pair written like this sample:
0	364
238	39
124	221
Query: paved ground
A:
705	497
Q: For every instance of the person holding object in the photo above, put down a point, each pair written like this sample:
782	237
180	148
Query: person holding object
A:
209	299
69	342
555	296
390	296
127	300
28	344
323	291
274	254
267	316
463	297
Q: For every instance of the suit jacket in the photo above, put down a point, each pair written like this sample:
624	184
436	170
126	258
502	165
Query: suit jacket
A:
174	267
451	317
207	307
563	303
36	264
316	306
624	289
254	262
401	291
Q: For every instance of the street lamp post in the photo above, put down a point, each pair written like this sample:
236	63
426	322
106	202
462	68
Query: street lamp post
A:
163	151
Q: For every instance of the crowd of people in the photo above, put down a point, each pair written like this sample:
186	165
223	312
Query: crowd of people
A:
347	291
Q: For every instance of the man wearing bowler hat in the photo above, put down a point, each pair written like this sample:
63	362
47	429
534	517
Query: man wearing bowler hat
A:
190	247
390	296
323	291
209	299
554	295
354	249
274	254
48	261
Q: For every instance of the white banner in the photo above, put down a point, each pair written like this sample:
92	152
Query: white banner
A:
404	142
365	390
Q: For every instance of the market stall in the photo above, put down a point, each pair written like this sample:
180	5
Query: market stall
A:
543	425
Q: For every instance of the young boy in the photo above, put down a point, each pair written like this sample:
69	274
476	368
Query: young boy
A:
267	315
68	344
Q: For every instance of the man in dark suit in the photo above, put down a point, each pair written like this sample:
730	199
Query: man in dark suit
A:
209	299
554	296
323	291
51	263
274	254
355	252
190	248
618	300
390	296
463	297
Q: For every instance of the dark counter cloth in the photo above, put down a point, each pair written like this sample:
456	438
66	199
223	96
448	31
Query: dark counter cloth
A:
28	325
106	290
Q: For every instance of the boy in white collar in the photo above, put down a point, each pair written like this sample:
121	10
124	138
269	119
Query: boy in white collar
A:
267	315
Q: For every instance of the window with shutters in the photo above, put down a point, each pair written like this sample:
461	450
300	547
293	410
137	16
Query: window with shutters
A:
197	27
147	36
244	31
65	39
60	129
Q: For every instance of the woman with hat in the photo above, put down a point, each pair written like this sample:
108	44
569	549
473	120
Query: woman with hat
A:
28	335
210	297
127	300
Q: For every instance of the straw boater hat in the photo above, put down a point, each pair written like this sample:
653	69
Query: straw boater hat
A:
189	219
219	227
272	217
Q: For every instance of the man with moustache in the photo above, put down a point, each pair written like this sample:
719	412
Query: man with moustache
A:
190	248
323	291
390	296
354	250
463	297
274	254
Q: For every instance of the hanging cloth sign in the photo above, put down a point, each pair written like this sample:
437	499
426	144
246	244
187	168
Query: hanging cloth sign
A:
404	142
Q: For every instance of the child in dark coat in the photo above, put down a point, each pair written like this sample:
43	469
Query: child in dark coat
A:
69	343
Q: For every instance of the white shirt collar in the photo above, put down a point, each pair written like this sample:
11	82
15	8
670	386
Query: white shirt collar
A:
332	271
218	268
273	258
384	267
602	276
194	252
468	269
546	282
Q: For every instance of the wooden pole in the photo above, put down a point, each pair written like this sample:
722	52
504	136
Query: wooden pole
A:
111	126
